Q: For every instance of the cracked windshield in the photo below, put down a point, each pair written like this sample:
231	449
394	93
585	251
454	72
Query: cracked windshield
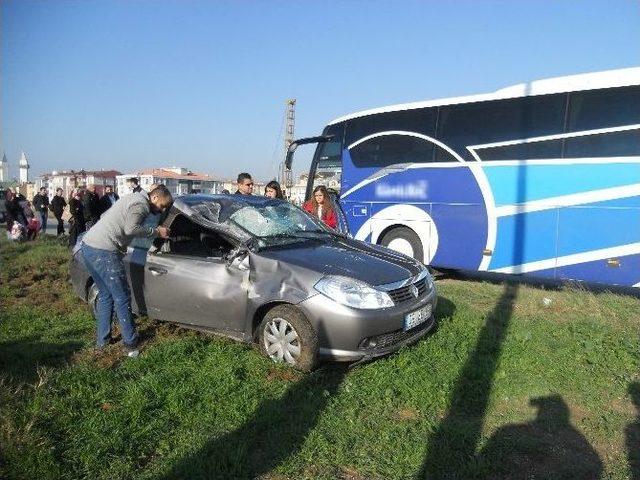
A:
277	223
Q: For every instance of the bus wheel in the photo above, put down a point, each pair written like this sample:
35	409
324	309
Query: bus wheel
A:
404	240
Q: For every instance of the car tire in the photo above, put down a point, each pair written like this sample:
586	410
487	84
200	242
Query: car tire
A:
285	335
404	240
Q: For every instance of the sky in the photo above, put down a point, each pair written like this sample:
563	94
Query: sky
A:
135	84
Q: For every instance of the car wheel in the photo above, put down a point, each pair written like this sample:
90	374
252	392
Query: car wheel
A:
285	335
404	240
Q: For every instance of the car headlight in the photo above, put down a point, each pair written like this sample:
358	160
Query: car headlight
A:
353	293
424	273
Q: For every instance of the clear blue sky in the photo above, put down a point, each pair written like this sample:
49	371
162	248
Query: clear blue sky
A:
202	84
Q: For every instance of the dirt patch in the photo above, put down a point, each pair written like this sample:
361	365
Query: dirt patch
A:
349	473
109	357
406	414
283	375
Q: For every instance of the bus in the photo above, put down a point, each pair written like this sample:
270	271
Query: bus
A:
539	179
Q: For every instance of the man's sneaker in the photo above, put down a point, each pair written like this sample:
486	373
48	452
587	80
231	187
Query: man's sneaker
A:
131	351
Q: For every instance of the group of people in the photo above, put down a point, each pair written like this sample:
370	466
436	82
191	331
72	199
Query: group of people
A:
25	219
320	205
86	208
21	220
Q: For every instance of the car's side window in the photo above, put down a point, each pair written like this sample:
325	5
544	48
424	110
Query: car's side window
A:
192	240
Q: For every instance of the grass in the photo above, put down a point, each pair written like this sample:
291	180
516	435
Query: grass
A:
505	388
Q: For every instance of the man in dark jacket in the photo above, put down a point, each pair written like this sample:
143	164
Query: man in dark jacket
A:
91	204
41	206
245	184
58	204
108	199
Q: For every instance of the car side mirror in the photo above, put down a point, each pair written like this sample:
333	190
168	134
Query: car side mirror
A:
241	263
238	258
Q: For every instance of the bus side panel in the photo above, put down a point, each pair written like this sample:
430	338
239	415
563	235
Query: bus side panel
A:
444	206
593	239
525	238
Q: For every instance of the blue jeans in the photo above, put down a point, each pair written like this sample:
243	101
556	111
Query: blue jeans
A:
107	270
43	220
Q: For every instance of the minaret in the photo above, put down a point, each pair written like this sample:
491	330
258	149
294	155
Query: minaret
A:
24	169
4	169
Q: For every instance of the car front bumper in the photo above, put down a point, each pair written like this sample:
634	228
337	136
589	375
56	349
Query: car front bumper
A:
343	332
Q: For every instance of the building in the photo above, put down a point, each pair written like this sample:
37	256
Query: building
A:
4	169
70	179
24	168
178	180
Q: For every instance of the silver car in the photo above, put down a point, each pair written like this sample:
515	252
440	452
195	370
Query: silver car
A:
262	270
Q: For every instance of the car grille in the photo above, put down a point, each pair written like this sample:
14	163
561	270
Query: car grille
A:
404	294
387	340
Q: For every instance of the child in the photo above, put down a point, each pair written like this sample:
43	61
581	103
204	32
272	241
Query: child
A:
17	232
33	227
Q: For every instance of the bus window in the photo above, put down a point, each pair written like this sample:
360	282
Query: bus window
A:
388	150
614	144
327	161
329	166
611	107
502	120
422	121
523	151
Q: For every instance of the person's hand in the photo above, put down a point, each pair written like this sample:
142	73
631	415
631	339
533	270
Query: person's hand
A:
163	232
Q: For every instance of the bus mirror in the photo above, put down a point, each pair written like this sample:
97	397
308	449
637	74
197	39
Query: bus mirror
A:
303	141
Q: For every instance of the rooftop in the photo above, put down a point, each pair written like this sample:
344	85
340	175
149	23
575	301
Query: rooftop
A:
172	173
82	173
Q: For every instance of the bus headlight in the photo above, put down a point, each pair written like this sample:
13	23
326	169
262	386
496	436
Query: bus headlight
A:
353	293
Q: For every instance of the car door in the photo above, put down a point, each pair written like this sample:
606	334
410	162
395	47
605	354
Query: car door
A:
199	291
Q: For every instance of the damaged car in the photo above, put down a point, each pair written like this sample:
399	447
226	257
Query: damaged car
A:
262	270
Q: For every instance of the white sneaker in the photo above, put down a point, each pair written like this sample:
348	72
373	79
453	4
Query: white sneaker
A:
133	353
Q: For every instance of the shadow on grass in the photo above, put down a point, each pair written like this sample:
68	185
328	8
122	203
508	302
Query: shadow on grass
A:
275	431
547	447
20	359
445	308
453	445
632	434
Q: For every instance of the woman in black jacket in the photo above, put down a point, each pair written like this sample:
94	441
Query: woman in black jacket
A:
77	225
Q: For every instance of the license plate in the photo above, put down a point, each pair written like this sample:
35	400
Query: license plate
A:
414	319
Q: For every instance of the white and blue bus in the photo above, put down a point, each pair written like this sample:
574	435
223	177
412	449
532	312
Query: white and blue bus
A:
541	179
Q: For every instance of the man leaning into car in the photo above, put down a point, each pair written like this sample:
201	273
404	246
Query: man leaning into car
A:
103	248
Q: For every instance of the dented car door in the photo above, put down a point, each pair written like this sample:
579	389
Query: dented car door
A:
205	292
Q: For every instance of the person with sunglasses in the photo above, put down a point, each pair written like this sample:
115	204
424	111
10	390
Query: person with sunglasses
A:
245	184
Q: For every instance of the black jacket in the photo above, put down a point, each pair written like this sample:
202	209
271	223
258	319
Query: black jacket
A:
92	209
76	208
105	203
57	205
40	202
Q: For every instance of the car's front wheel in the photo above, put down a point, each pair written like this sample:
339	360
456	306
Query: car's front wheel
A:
285	335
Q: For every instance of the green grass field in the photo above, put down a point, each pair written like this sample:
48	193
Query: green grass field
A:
505	388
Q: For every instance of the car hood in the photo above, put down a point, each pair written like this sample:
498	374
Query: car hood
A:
349	258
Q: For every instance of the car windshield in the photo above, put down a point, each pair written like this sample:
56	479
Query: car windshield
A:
278	223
